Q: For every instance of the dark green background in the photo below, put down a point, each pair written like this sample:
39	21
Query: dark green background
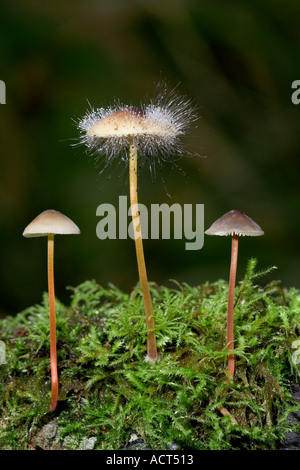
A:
235	60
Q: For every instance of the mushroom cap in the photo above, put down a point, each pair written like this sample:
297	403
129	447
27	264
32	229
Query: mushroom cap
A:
50	221
235	222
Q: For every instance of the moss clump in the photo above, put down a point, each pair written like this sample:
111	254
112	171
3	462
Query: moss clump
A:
109	393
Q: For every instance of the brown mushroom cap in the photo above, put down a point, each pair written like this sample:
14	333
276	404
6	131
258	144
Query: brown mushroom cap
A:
50	221
235	222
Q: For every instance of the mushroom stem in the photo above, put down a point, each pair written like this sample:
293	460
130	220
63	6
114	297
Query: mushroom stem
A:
53	360
151	339
232	278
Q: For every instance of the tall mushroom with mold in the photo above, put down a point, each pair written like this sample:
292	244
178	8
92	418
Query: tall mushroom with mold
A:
50	223
150	132
236	224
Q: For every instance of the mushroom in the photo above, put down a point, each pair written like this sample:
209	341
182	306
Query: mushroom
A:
234	223
150	131
50	223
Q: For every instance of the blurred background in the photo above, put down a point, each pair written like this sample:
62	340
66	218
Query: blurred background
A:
235	60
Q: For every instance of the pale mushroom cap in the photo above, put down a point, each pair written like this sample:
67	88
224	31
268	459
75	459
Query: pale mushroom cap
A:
129	121
50	222
235	222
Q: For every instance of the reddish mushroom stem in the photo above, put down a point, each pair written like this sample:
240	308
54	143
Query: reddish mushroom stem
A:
232	278
151	339
53	359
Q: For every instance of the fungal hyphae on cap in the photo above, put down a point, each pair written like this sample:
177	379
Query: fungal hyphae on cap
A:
236	224
155	129
151	131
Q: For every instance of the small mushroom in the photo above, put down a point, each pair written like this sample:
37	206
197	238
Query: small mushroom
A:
50	223
234	223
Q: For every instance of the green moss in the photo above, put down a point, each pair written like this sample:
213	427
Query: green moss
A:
109	392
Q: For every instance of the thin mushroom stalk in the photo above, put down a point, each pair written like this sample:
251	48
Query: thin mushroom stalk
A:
230	304
151	339
53	355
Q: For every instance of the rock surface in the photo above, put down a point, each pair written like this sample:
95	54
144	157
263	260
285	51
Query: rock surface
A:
292	439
